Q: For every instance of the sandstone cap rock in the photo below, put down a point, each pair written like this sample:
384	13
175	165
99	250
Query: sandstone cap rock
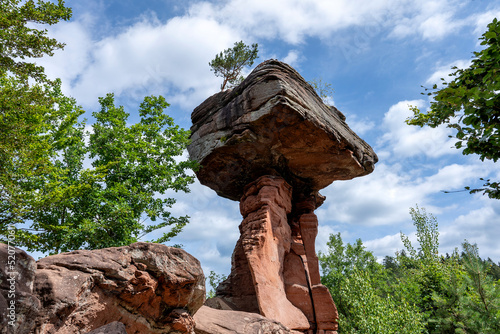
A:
274	123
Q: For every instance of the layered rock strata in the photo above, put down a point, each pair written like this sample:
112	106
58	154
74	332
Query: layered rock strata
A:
146	287
275	269
274	123
272	144
260	254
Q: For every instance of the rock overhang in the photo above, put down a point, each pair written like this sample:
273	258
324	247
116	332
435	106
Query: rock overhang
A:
274	123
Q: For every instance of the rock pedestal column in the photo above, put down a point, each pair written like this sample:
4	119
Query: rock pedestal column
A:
275	269
274	123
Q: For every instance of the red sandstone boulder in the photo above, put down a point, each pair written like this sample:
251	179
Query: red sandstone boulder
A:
114	327
212	321
150	288
19	307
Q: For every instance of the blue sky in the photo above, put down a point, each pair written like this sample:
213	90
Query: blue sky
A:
375	54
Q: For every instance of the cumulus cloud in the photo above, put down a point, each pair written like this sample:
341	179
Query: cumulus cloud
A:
295	20
470	226
169	58
70	63
381	198
290	20
410	172
387	245
359	125
444	71
408	141
430	20
477	226
292	58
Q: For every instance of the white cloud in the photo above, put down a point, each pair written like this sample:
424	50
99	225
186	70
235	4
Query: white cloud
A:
438	26
294	20
359	126
431	20
477	226
75	58
323	237
443	72
407	141
481	21
411	171
292	58
171	59
381	198
385	246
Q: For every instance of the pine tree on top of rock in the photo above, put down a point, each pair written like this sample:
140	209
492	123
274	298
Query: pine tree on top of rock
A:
230	62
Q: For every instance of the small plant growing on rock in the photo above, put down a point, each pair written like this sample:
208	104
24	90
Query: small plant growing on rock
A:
230	62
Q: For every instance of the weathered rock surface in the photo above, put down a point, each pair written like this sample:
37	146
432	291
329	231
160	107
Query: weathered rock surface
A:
275	269
114	327
148	288
265	239
274	123
19	307
212	321
272	144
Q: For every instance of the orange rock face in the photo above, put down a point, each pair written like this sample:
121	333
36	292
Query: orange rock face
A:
272	144
275	269
150	288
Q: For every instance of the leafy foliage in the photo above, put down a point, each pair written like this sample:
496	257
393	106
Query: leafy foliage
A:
470	103
35	122
19	40
35	119
323	89
229	63
47	189
214	280
358	285
418	291
107	205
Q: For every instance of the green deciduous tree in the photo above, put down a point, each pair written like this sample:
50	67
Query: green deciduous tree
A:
214	280
34	117
61	187
19	40
455	294
230	62
35	122
121	198
359	287
470	104
424	272
418	291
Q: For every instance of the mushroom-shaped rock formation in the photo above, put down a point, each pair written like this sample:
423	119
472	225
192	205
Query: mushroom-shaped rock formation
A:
272	144
274	123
